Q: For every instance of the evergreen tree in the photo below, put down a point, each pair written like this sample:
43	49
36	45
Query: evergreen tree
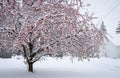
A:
103	27
118	28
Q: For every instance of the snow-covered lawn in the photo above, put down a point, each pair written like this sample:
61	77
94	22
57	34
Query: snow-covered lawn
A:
61	68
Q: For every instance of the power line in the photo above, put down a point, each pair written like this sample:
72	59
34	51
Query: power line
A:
109	12
112	9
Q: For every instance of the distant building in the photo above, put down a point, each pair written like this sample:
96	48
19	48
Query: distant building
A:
112	49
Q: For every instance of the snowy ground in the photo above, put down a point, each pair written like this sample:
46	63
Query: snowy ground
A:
61	68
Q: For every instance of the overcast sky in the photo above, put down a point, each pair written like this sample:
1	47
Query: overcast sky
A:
107	11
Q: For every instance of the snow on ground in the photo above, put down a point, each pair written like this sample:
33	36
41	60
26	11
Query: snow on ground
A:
61	68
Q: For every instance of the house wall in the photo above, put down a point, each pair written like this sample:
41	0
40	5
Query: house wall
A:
118	51
112	51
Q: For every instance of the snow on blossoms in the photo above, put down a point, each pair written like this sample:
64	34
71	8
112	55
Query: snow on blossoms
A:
50	28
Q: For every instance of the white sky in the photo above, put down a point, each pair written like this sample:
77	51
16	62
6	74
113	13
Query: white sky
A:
107	11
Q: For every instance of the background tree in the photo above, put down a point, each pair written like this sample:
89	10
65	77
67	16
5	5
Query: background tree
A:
53	28
118	28
103	27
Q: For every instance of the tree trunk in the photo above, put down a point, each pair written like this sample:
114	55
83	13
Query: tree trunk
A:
30	67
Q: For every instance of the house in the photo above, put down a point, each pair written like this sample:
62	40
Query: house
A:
112	49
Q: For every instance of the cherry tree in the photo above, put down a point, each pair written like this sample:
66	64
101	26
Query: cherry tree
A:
53	28
8	22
